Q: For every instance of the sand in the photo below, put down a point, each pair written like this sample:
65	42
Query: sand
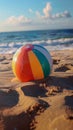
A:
38	105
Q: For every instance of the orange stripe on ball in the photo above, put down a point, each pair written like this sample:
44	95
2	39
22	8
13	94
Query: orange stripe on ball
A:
35	66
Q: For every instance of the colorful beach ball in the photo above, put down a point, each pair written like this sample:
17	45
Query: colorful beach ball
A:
31	62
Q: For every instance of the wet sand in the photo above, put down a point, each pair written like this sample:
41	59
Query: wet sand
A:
38	105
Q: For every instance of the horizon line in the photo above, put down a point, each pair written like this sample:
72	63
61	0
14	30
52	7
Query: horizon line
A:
36	30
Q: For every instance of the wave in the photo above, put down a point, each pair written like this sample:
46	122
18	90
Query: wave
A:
55	44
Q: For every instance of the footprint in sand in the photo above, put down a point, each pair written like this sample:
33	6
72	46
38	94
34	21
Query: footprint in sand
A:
8	99
62	69
69	107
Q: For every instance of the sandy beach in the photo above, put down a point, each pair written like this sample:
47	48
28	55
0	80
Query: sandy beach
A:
38	105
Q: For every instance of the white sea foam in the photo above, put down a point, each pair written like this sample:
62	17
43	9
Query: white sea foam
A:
56	44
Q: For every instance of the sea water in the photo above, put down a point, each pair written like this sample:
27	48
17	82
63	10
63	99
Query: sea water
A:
50	39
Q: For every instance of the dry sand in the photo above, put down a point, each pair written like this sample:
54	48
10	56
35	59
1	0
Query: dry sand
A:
38	105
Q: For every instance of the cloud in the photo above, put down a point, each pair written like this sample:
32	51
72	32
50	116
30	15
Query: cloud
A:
38	14
30	10
47	10
40	19
64	14
47	13
21	20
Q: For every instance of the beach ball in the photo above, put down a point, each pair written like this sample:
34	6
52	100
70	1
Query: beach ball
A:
31	62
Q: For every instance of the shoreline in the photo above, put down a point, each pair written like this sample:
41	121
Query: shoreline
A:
50	51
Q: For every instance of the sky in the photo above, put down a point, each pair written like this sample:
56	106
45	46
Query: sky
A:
19	15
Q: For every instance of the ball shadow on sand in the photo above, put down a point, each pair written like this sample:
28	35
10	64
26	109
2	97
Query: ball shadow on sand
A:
8	99
41	87
60	82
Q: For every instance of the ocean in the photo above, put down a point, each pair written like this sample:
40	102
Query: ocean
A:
50	39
